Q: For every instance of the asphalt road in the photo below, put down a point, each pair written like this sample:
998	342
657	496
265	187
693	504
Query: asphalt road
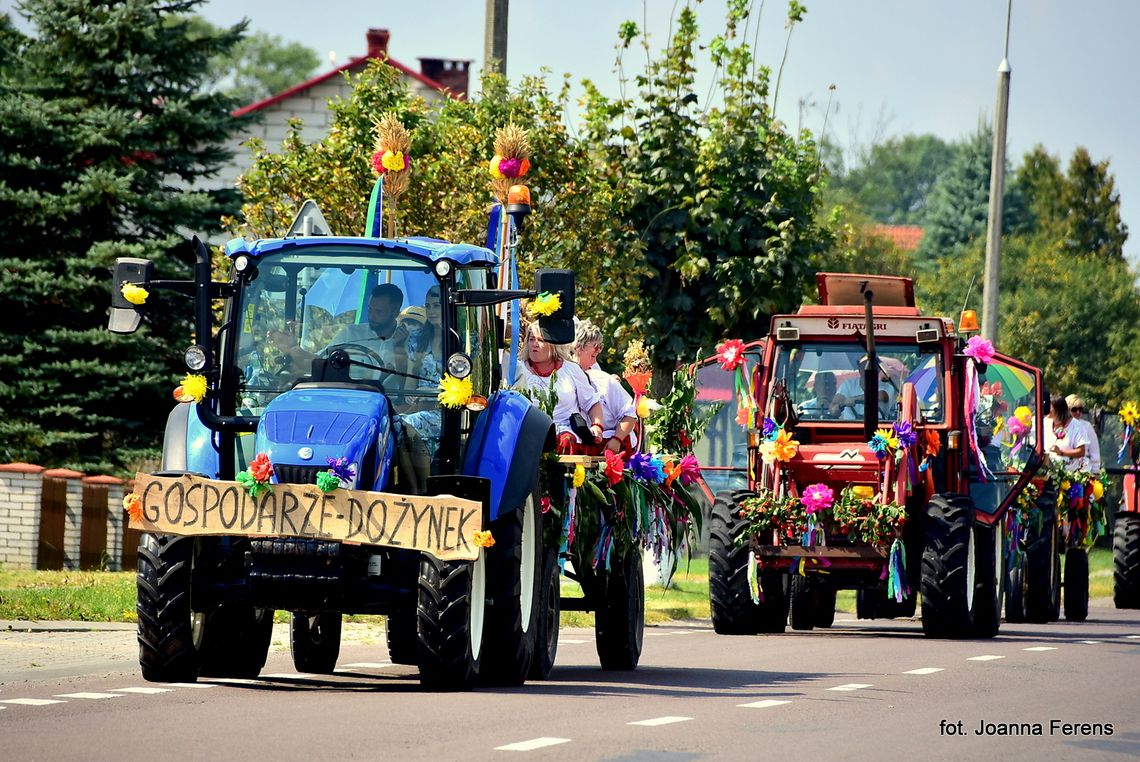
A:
862	690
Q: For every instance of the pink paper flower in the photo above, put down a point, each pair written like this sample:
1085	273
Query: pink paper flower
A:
980	349
817	497
730	354
1016	426
690	469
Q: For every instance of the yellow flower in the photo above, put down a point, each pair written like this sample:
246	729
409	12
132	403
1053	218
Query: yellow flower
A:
1129	413
1023	414
194	387
579	476
493	167
646	407
134	294
999	424
132	504
454	392
483	539
545	304
1097	489
393	161
1065	485
782	448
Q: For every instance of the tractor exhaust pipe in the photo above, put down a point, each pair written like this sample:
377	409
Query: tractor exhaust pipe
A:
870	372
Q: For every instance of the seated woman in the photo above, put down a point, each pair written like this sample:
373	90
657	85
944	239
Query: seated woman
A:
424	350
548	368
618	415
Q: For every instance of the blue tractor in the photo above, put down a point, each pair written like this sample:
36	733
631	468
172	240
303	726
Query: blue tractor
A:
293	374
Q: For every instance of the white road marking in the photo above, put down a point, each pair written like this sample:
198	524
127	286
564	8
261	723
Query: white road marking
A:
1040	648
142	689
659	721
531	745
190	685
850	687
1132	637
232	681
31	702
288	675
987	657
571	641
88	695
1089	642
763	704
367	665
923	671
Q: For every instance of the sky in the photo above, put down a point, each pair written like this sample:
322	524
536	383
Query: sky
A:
899	66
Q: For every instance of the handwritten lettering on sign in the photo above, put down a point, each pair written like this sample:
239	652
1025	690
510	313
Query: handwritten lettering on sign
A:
442	525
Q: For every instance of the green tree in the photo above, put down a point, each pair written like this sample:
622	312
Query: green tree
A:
258	66
105	129
1091	205
893	183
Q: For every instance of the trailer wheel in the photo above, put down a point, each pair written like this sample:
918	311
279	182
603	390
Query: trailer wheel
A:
948	567
733	612
514	566
619	622
549	613
825	596
451	608
1076	584
236	641
401	636
1126	561
873	603
802	592
1015	593
989	543
314	640
168	631
1042	581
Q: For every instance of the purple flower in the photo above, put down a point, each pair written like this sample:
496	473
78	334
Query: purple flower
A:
342	469
642	467
907	436
510	167
770	429
1076	491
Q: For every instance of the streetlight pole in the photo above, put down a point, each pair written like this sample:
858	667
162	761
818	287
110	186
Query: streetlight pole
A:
997	192
495	37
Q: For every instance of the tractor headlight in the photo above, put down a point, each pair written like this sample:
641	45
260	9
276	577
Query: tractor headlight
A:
443	268
459	365
195	358
242	263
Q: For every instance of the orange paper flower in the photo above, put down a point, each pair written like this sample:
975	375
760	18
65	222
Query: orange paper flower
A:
638	380
783	448
672	471
483	539
132	503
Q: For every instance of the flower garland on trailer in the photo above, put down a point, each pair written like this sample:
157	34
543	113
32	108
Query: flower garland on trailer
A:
730	355
1024	514
1080	503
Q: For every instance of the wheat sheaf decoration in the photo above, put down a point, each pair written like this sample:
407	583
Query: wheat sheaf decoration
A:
391	159
511	160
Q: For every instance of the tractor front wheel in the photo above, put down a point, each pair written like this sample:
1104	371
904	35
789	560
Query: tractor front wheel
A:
451	609
1076	584
733	612
948	567
1126	561
989	543
168	648
314	640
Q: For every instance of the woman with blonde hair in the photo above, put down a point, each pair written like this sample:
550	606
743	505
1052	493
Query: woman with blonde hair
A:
548	367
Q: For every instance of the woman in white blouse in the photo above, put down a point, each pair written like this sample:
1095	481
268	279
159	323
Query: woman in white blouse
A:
548	367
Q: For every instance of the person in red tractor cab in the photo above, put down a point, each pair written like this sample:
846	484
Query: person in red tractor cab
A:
618	414
548	368
1065	441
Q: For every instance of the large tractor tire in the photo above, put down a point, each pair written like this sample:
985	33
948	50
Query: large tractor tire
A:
1015	593
1042	583
314	640
236	641
733	612
619	621
825	596
873	603
514	570
949	563
989	544
1076	584
549	613
802	605
167	628
451	609
402	640
1126	561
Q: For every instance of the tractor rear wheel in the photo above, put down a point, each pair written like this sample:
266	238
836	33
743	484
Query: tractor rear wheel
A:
167	628
1042	567
549	612
1126	561
1076	584
514	565
314	641
825	596
948	567
1015	593
402	642
802	591
733	612
451	608
619	621
989	543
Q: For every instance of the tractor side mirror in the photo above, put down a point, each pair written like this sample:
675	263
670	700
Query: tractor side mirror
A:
559	327
125	315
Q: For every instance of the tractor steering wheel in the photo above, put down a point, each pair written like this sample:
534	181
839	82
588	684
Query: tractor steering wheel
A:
372	356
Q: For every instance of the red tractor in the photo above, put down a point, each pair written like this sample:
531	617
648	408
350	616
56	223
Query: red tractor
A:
882	453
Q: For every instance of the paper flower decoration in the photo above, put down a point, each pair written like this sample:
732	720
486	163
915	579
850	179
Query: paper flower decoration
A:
1097	489
483	538
1016	427
879	445
818	497
132	504
690	469
327	481
980	349
192	389
1129	413
614	467
769	429
658	464
641	466
743	416
579	477
638	380
1023	414
390	161
782	448
342	469
730	354
672	471
454	392
493	167
256	479
261	468
646	407
134	294
905	435
545	304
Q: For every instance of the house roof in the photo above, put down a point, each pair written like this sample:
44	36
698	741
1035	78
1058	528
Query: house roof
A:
904	237
350	66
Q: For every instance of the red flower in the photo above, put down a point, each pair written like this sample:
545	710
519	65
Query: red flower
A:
544	504
614	467
730	354
684	437
261	469
378	163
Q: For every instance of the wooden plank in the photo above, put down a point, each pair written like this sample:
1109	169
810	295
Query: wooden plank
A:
53	517
93	526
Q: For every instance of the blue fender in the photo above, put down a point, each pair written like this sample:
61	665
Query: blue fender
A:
188	445
505	447
304	427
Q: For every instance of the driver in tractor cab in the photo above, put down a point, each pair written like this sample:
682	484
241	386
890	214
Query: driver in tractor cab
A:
382	334
824	404
850	396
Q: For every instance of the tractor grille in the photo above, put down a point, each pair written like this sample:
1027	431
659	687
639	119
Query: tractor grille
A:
287	474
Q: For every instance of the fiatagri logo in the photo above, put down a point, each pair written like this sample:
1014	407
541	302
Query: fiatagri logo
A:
834	322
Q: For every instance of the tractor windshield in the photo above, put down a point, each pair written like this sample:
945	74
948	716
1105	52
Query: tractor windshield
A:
825	379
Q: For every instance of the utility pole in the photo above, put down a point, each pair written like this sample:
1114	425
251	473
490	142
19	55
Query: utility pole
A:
997	192
495	37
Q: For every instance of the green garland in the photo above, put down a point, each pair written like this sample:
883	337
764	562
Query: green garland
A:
856	518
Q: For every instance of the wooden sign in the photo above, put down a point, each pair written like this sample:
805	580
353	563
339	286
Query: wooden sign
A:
442	525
